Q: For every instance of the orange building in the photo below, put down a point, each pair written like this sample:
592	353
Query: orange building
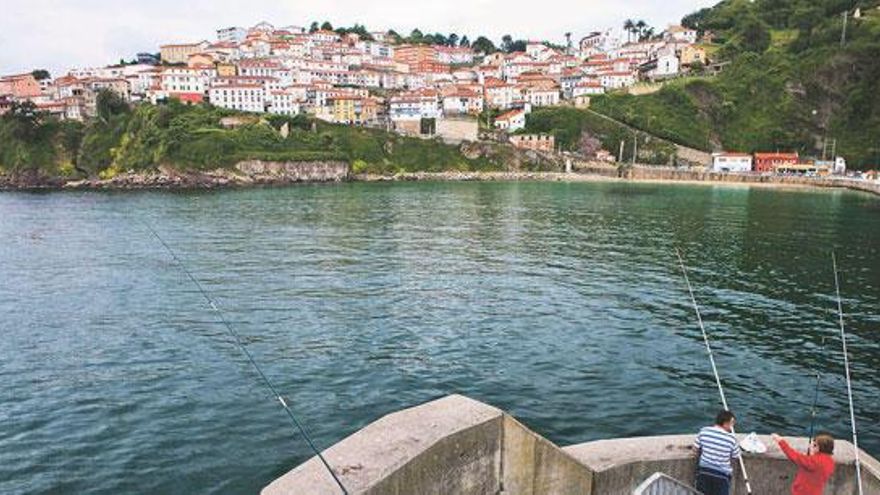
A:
420	58
769	162
19	86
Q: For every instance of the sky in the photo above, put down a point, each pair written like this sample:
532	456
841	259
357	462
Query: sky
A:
61	34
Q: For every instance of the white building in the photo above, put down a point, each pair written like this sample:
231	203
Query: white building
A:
588	87
232	34
246	97
667	65
511	121
462	101
376	49
681	34
186	80
285	102
499	94
414	107
541	97
731	162
617	80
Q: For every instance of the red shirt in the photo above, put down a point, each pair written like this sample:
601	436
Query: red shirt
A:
813	470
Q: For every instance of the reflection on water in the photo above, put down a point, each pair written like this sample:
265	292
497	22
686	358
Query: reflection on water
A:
561	303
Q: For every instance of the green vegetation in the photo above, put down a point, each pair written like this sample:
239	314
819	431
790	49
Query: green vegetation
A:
120	139
573	128
789	83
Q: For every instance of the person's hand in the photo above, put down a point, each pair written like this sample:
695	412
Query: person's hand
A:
776	438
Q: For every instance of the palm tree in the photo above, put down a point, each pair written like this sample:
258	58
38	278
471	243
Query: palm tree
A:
640	28
629	26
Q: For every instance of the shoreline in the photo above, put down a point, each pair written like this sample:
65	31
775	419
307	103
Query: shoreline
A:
166	179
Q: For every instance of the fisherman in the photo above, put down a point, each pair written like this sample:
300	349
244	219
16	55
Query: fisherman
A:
716	446
814	468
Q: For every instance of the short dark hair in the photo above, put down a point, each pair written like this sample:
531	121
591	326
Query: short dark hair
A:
825	442
723	417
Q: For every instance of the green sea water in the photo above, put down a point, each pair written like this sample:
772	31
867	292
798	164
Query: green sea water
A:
561	303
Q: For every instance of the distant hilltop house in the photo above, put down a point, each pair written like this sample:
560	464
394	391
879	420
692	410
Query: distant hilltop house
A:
681	34
19	86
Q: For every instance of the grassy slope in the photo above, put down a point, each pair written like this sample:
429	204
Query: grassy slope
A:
766	101
192	138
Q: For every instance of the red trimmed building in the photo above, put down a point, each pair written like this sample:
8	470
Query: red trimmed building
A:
769	162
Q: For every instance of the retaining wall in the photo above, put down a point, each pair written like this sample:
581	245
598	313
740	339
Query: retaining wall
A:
453	445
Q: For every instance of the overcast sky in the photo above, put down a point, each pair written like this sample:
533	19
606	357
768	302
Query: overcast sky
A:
60	34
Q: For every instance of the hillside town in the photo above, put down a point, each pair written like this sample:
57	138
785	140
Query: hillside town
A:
366	80
377	79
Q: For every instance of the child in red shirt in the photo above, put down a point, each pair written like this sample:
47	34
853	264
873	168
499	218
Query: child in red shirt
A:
814	468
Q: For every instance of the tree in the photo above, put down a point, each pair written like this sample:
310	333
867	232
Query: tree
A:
314	27
465	42
506	41
25	119
393	36
640	29
518	46
327	26
108	104
416	36
452	39
755	35
629	26
588	144
41	74
484	45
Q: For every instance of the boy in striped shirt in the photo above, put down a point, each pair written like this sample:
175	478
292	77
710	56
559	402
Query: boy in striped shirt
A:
717	447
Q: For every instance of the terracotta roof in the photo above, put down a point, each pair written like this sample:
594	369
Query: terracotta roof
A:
509	115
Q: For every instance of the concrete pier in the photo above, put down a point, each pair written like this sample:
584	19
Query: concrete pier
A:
456	445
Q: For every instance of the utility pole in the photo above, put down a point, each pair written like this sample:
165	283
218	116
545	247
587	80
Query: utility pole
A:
620	155
635	147
843	33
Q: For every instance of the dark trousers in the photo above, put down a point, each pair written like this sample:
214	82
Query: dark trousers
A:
712	482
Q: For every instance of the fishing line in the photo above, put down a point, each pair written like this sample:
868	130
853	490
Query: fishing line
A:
742	465
852	413
813	409
237	338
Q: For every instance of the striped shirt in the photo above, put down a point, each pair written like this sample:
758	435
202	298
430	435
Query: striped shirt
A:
717	447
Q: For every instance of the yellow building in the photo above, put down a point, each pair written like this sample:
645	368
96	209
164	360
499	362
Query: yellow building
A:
200	59
226	70
179	53
352	109
692	54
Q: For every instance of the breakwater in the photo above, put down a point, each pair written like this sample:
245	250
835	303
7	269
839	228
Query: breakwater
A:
638	173
459	445
245	173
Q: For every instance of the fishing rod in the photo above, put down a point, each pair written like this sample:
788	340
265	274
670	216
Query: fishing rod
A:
742	464
852	413
237	338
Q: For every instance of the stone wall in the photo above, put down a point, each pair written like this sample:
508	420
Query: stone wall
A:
286	172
